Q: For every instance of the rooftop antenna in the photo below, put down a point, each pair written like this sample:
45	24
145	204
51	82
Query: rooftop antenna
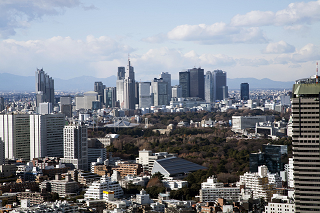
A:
317	74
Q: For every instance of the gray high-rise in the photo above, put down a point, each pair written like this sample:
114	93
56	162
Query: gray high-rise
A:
305	142
220	85
145	99
208	90
99	87
244	91
197	82
167	78
160	92
129	89
184	82
110	96
44	87
120	83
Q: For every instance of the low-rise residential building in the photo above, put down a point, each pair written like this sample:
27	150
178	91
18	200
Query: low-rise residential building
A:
126	168
172	184
96	189
212	190
62	187
280	204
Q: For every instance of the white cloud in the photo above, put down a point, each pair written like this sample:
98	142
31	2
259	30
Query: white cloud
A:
15	14
279	47
295	15
255	62
69	57
217	33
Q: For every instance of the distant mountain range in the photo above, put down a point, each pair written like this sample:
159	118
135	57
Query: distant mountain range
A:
10	82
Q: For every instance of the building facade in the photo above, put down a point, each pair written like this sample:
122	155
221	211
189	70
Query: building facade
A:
220	85
184	82
197	82
208	90
145	98
160	93
44	87
305	141
244	91
166	77
110	96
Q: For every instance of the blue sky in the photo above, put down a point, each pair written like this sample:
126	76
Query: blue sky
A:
71	38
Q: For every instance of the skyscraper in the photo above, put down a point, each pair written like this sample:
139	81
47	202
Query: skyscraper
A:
184	82
129	89
46	135
244	91
197	82
176	91
75	146
110	96
15	133
160	93
2	159
145	100
305	141
167	78
99	87
220	85
44	87
120	82
208	87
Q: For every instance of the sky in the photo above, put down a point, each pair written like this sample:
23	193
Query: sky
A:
259	39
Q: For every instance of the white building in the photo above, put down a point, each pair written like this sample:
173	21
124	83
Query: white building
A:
289	170
45	108
240	123
212	190
258	183
280	204
147	158
96	189
46	135
174	184
85	101
143	198
75	146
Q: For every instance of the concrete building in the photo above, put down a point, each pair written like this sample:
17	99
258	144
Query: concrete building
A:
46	135
99	88
110	96
45	108
167	78
97	188
258	183
244	91
66	105
143	198
160	93
64	187
44	87
197	82
120	85
75	146
280	204
147	158
129	90
290	175
220	85
208	90
126	168
85	101
176	91
184	82
212	190
305	141
145	97
239	123
15	133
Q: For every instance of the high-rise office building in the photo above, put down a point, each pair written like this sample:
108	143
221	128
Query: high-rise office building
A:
45	108
110	96
75	146
160	93
176	91
44	87
305	141
167	78
197	82
66	105
208	90
129	90
145	99
220	85
15	133
244	91
184	82
99	88
87	100
120	83
46	135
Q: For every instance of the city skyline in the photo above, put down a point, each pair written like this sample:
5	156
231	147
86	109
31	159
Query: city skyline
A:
279	38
